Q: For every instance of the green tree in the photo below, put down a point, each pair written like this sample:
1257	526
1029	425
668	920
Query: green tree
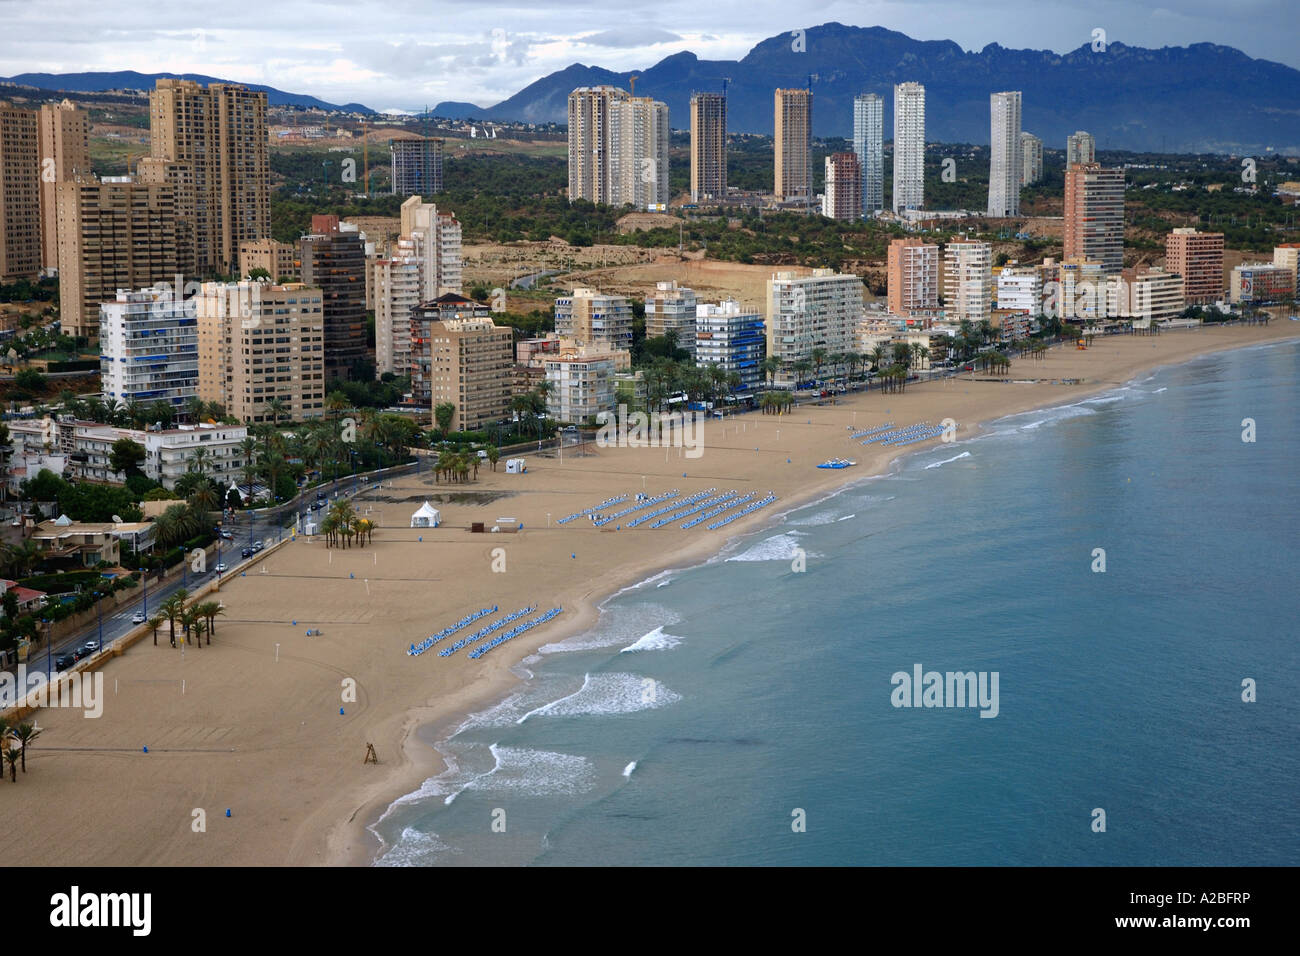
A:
443	413
126	456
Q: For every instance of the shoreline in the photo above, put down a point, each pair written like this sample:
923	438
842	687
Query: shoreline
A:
354	843
309	663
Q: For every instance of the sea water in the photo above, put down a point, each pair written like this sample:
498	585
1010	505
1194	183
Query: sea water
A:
740	712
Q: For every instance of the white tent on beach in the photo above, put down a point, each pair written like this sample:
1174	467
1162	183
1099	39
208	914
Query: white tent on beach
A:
426	517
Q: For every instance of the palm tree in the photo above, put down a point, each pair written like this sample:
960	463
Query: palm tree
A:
199	625
818	359
494	455
11	754
209	611
878	357
200	459
25	733
174	608
205	497
156	622
277	409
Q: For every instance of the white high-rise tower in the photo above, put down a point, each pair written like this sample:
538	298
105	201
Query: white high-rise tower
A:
868	143
909	146
1006	161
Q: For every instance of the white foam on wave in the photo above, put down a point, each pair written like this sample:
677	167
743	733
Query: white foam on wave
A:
656	640
415	848
618	626
627	771
821	517
1161	389
779	547
536	772
936	464
846	517
605	694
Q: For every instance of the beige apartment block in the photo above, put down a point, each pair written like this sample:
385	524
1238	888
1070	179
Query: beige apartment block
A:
912	271
280	259
64	155
793	145
259	342
219	131
20	199
113	234
1198	258
472	367
1094	215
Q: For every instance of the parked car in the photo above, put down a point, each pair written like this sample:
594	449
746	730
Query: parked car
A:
258	546
138	617
318	506
226	536
246	553
90	646
221	567
64	661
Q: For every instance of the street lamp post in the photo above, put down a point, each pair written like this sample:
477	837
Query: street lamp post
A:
100	607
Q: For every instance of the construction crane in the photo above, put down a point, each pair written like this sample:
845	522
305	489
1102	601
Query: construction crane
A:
631	82
725	81
365	153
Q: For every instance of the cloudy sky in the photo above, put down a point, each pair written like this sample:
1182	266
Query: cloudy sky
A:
395	54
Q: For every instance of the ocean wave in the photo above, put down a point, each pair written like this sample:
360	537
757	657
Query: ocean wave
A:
536	772
936	464
656	640
780	547
618	625
1161	389
821	517
604	694
415	848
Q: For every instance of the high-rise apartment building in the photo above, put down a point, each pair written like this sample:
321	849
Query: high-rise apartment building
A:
333	260
967	280
416	165
149	347
734	339
450	307
1080	148
113	234
1019	289
279	259
912	276
869	144
842	191
672	309
590	317
1094	215
793	145
638	152
708	146
398	283
259	342
804	313
1144	294
1006	162
1287	256
582	384
219	132
589	135
1198	258
909	146
1031	150
437	242
472	363
64	155
20	194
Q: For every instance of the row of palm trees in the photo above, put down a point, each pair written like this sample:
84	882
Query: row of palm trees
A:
196	619
849	365
775	403
341	524
457	465
14	741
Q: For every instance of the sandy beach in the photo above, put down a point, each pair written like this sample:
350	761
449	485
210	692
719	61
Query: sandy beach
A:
265	738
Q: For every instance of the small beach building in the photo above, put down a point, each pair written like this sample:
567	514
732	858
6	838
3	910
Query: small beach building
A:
426	516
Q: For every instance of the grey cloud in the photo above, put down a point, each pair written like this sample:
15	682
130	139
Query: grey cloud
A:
630	37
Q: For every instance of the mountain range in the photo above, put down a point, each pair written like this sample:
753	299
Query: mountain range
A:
1199	98
131	80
